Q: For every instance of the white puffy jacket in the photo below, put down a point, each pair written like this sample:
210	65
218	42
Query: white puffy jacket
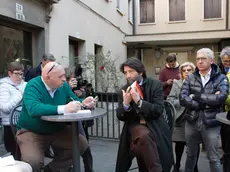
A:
10	96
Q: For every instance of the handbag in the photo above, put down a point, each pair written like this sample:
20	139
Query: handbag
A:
191	115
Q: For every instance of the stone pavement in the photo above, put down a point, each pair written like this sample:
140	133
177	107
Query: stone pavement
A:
105	152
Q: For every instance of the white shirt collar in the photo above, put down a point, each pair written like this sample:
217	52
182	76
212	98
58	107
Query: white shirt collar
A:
207	75
47	87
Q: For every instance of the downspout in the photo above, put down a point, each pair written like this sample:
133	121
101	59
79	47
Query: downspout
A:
227	12
134	17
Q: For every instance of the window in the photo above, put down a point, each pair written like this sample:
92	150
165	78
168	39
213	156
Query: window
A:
130	17
176	10
147	11
212	9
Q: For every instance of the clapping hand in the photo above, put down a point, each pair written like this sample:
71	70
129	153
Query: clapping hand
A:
135	95
127	98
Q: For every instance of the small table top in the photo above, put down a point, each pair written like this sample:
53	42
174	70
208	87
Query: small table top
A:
222	117
96	113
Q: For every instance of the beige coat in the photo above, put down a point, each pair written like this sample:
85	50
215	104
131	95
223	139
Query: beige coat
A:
173	97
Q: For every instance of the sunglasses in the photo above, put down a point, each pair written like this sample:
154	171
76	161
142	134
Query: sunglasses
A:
186	70
54	65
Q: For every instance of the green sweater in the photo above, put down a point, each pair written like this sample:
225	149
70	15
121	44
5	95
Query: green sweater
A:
37	102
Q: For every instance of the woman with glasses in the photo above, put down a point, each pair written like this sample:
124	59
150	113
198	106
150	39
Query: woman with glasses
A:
11	93
179	130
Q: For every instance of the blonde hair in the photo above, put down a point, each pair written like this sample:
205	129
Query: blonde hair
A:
184	65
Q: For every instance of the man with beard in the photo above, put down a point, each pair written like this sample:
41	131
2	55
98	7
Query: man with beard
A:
145	134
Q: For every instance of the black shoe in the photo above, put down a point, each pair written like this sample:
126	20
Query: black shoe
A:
49	153
176	168
47	169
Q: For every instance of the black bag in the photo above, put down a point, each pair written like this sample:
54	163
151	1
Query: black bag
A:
191	115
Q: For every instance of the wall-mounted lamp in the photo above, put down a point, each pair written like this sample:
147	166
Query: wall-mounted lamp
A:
157	53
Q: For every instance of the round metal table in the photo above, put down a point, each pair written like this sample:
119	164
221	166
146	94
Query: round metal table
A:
222	117
96	113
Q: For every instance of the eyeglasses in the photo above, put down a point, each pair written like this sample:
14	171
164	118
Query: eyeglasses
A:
54	65
18	73
203	59
226	61
186	70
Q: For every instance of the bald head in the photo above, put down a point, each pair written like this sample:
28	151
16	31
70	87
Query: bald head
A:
53	74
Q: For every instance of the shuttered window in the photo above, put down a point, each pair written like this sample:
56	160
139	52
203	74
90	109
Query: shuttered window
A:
212	9
176	10
147	11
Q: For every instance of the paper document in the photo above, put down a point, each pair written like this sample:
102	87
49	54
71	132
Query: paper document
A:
80	112
9	160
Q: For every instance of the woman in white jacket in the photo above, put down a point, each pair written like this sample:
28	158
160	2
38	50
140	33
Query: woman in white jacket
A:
11	92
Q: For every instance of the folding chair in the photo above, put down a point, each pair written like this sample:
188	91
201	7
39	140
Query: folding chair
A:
14	116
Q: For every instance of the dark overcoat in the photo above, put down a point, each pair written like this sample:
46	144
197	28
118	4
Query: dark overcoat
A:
151	110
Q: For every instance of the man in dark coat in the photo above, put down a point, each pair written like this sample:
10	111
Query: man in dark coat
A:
145	134
203	94
34	72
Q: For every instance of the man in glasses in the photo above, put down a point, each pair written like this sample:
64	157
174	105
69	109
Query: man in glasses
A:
34	72
49	94
203	93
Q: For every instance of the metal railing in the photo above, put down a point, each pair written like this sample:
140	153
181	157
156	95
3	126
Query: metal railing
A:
108	126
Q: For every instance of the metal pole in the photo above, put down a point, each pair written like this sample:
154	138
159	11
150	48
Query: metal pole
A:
75	147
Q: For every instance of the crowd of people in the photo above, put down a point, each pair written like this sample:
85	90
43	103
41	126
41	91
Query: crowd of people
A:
198	93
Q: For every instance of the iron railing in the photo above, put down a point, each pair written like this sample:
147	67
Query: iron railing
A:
108	126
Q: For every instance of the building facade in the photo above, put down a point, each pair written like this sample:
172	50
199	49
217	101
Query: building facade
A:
180	27
81	27
24	31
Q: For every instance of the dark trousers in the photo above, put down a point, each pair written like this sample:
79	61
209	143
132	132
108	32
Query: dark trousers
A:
9	140
143	147
225	139
179	149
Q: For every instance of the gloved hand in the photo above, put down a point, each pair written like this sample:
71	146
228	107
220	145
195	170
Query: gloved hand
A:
202	106
197	97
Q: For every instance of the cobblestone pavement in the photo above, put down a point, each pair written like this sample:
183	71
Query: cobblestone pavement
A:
105	152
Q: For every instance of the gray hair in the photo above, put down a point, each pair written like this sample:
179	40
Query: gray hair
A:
184	65
69	72
206	51
225	51
49	57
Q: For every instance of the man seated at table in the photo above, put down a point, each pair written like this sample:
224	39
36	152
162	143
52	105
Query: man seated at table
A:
46	95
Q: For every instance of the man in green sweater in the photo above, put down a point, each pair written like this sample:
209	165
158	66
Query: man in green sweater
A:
45	95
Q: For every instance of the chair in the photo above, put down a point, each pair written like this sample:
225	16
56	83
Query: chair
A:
169	114
14	116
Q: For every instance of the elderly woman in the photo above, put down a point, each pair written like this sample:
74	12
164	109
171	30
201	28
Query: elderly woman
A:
11	92
179	130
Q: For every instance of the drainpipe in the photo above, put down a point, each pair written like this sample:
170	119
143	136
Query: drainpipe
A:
134	17
227	12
